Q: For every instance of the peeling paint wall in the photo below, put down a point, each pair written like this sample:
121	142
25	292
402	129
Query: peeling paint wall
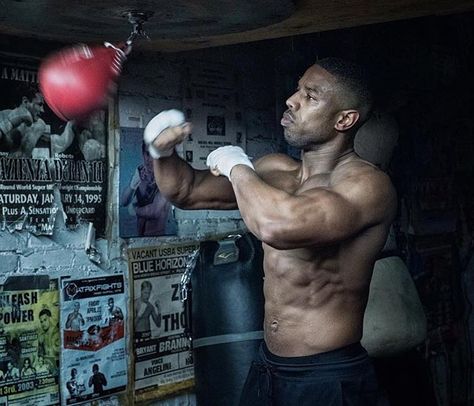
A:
150	84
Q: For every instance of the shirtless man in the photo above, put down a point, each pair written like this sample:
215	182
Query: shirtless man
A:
144	310
322	222
75	320
22	127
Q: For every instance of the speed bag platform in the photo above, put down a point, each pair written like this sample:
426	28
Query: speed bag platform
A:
227	317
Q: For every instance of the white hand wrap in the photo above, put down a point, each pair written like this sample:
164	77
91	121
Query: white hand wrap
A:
225	158
163	120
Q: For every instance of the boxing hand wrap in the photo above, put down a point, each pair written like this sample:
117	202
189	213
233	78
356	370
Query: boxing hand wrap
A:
225	158
163	120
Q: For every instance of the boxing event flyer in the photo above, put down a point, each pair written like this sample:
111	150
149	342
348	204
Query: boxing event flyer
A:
29	341
162	356
47	165
143	210
93	356
211	101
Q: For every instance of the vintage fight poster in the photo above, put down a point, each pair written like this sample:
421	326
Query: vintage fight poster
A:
211	101
163	360
144	211
29	341
47	165
93	357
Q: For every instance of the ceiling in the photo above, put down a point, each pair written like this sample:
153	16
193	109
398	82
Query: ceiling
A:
180	25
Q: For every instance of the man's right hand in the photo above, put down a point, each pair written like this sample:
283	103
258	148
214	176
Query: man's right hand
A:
164	132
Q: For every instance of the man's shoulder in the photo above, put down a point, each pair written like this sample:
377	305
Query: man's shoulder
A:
276	162
363	183
360	173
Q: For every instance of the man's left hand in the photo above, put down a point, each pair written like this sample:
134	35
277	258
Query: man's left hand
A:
222	160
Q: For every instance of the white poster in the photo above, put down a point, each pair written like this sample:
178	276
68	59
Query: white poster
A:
163	360
212	103
93	357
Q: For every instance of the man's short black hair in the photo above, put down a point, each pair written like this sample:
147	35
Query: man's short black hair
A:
354	80
46	312
146	284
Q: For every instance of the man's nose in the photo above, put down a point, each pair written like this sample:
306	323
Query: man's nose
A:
292	103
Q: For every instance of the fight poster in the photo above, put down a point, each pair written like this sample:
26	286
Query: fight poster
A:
144	211
29	341
211	101
93	357
163	360
47	166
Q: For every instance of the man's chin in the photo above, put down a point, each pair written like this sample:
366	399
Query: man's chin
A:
292	142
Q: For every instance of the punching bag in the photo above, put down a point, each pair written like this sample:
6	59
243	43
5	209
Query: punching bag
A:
394	319
78	81
227	317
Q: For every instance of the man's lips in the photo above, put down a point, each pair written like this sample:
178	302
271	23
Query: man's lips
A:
287	119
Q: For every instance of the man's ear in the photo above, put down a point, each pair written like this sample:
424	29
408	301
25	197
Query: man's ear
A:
346	120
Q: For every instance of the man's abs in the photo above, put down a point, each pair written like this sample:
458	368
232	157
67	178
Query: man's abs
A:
312	304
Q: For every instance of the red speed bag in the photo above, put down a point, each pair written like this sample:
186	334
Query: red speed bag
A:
77	81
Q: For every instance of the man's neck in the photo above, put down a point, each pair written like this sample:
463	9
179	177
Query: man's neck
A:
322	159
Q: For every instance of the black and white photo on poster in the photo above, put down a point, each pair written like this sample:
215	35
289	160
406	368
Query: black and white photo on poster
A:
216	125
93	357
162	357
46	164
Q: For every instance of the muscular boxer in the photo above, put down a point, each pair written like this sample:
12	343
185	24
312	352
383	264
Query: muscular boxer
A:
75	320
22	127
322	221
144	310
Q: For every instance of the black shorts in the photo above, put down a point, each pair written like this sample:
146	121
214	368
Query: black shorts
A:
341	377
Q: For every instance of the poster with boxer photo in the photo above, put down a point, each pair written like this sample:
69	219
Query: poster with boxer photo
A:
163	360
29	341
93	356
47	165
144	211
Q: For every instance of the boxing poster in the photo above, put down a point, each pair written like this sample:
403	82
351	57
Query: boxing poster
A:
162	356
144	211
211	101
47	166
29	341
93	356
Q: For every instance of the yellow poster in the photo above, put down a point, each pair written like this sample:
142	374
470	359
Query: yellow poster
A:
29	341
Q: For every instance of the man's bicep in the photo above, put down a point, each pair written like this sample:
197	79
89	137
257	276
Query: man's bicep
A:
327	216
210	192
336	219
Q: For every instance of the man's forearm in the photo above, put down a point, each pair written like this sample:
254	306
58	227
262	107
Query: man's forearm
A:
174	178
192	189
261	205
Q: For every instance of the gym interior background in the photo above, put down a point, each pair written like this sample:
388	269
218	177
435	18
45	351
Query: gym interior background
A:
422	73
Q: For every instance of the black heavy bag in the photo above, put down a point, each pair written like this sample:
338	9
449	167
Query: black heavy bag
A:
227	317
